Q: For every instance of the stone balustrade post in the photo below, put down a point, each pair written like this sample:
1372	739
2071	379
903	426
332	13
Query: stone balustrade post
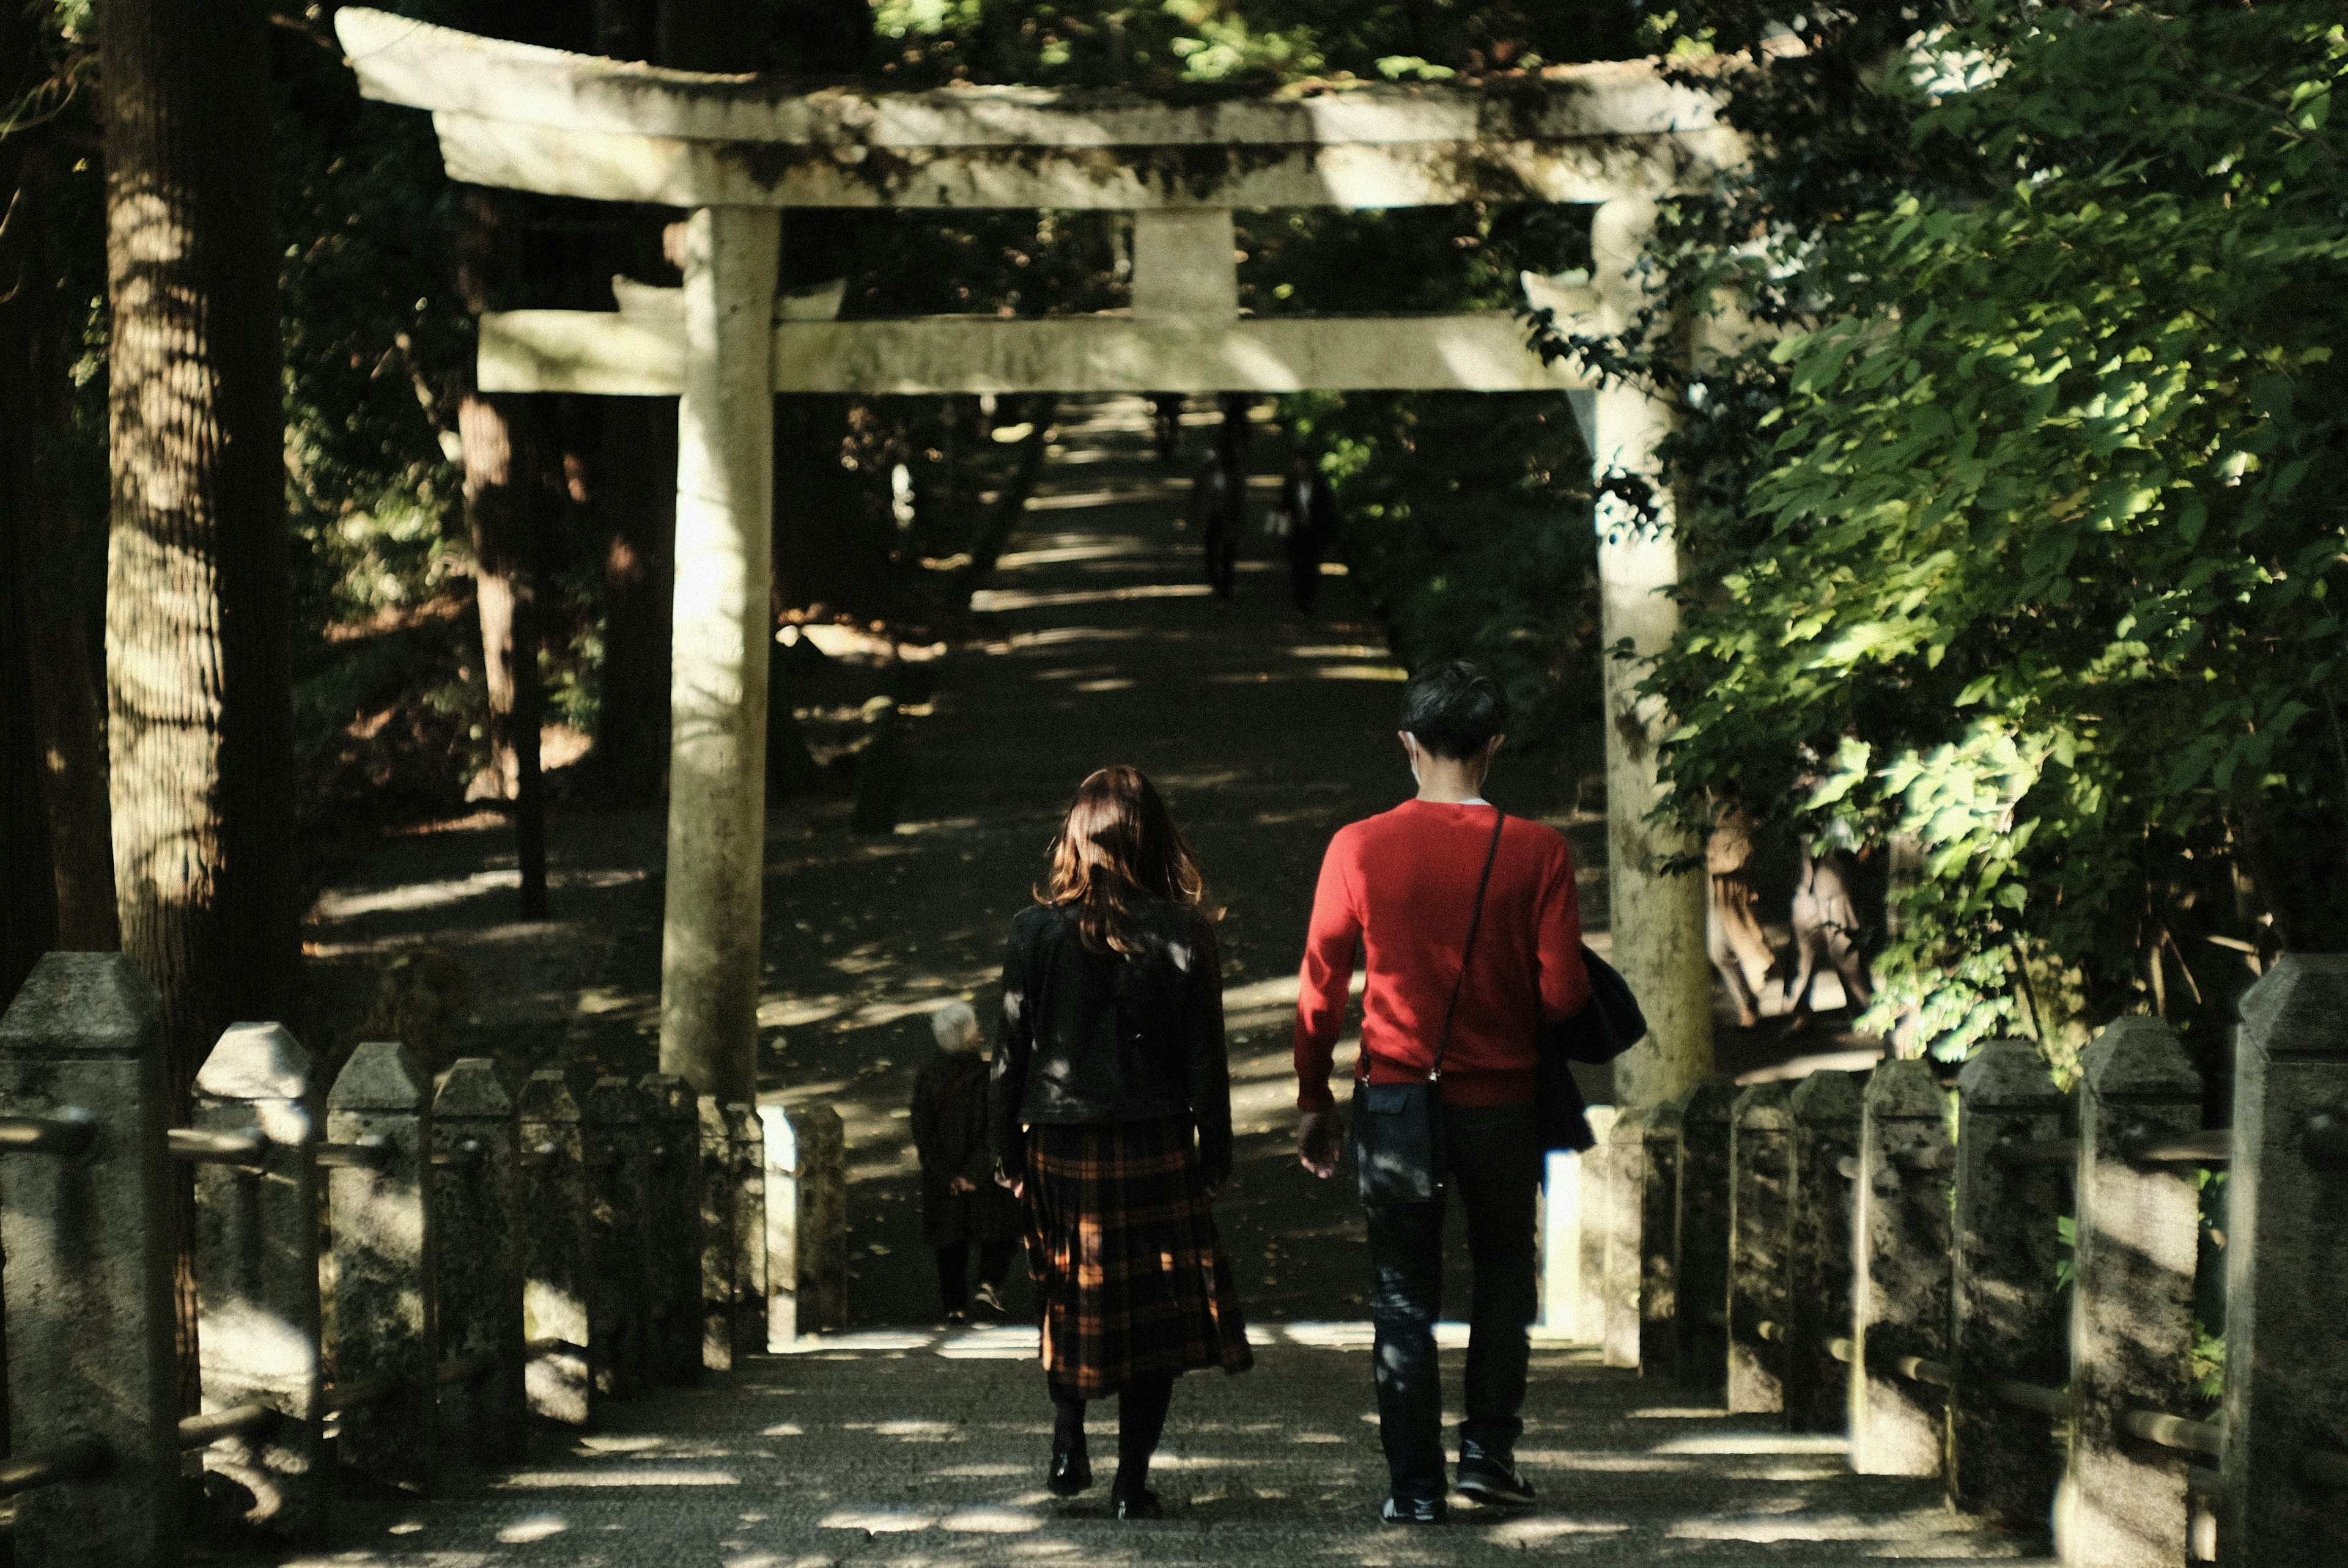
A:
1659	1197
1558	1223
1625	1190
385	1339
2007	1323
1593	1179
1701	1266
2135	1253
721	1271
619	1151
746	1133
779	1152
1899	1268
806	1222
673	1227
2287	1207
256	1267
480	1242
558	1311
1760	1131
1826	1108
87	1239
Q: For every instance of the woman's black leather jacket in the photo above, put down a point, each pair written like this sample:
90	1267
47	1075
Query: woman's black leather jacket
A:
1112	1037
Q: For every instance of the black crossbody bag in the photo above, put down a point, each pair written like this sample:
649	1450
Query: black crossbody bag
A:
1397	1133
1398	1127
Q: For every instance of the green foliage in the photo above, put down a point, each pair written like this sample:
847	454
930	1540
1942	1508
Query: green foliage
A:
2016	534
1174	46
1466	521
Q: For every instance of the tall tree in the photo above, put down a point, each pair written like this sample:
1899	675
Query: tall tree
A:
200	710
52	505
506	502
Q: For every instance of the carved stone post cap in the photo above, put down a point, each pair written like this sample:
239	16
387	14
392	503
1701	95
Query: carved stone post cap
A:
781	1138
256	1061
546	1097
711	1117
1905	1090
1630	1126
671	1097
1764	1107
615	1102
816	1119
1663	1121
1828	1097
1602	1120
83	1004
471	1088
1708	1100
2299	1007
2138	1058
379	1076
2008	1073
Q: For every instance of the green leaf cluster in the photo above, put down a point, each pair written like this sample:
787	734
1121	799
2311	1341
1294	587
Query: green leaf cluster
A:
2019	528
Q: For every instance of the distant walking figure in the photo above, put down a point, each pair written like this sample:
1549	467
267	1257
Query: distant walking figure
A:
1733	933
1827	925
1218	505
1473	931
1309	511
1165	424
1112	1115
961	1203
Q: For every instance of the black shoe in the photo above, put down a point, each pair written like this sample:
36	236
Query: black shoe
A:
1414	1510
1492	1477
1072	1471
1142	1505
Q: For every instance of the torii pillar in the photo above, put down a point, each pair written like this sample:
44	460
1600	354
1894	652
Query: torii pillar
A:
1657	920
723	614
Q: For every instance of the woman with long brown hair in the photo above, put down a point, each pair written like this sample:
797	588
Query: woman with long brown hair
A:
1111	1114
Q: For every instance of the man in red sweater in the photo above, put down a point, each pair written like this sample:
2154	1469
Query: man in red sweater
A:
1403	886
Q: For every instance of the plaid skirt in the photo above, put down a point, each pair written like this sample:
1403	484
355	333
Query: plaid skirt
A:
1123	1250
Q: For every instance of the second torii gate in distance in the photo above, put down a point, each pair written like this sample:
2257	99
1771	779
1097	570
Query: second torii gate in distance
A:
735	153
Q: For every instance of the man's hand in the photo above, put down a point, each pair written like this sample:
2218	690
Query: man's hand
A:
1318	1133
961	1185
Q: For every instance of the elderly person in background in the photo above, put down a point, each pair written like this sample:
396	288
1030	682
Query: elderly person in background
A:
961	1203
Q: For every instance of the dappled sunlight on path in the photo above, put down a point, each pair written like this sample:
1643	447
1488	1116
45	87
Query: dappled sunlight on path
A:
925	1451
1098	641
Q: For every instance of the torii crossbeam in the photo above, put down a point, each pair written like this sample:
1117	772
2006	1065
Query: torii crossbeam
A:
735	152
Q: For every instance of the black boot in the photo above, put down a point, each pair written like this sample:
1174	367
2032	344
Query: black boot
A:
1140	1418
1072	1464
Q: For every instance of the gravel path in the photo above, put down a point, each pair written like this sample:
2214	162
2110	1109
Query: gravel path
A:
926	1451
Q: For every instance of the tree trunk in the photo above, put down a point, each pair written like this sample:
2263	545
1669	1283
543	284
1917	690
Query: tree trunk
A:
638	500
505	503
199	712
52	552
502	513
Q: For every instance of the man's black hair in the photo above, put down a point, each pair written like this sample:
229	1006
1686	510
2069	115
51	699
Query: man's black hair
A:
1453	708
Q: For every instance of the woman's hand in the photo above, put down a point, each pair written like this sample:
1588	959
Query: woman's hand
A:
961	1185
1004	1179
1318	1133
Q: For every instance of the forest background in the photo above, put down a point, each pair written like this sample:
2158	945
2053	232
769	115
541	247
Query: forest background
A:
2008	478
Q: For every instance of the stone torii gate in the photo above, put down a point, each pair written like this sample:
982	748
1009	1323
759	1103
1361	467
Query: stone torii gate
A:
735	152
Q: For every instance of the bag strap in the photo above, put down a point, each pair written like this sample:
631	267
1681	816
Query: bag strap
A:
1466	952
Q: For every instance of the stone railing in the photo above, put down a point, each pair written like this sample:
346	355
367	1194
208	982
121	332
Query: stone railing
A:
407	1276
1834	1254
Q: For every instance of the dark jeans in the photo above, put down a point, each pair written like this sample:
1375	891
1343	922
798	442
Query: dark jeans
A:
1495	1158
